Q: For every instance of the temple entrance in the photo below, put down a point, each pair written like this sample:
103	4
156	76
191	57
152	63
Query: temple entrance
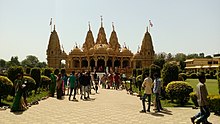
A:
117	63
76	64
84	63
125	63
100	65
92	64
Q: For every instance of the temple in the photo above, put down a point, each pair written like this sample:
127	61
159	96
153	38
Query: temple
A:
101	55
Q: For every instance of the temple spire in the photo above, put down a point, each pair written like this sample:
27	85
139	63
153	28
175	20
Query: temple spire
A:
101	21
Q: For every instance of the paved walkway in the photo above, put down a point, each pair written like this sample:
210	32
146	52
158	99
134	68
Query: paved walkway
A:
108	107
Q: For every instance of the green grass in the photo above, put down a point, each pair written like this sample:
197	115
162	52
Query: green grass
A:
31	98
211	84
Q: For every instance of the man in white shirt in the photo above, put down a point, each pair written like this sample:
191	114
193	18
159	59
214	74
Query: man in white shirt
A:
147	85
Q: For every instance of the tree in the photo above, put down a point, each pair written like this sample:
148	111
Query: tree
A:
170	72
191	56
30	61
160	59
181	57
42	64
154	69
14	62
169	57
201	55
2	63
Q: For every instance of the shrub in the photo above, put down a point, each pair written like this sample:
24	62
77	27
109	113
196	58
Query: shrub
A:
154	69
193	75
194	99
36	75
170	72
183	75
45	81
47	72
13	72
179	91
214	103
208	76
5	86
28	70
218	76
30	85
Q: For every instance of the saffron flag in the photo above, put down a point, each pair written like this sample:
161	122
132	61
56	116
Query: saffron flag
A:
51	21
151	24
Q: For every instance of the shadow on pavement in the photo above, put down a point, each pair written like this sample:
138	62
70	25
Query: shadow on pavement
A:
157	114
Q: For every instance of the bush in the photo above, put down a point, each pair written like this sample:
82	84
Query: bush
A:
214	103
47	72
154	69
194	76
5	86
194	99
170	72
36	75
45	81
13	72
28	70
208	76
30	85
183	75
218	76
179	91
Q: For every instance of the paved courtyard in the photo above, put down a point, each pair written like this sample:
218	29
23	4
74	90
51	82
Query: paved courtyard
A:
107	107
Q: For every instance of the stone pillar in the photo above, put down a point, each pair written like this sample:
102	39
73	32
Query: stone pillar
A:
121	62
80	63
113	61
134	64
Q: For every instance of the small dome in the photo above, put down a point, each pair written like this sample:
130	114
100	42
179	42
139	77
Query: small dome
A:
76	50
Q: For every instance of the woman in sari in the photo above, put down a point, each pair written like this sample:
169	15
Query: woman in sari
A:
18	102
59	87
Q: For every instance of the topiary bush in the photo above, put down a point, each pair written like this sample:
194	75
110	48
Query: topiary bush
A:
13	72
30	83
214	103
36	75
179	91
154	69
194	76
45	81
194	99
5	87
183	75
170	72
47	72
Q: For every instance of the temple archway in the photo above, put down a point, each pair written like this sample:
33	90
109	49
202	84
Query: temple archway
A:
76	64
92	63
84	63
100	65
117	63
125	63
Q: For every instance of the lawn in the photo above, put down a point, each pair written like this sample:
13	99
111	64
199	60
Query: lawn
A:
211	84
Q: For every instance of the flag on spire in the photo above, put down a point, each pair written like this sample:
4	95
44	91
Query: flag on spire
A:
50	21
151	24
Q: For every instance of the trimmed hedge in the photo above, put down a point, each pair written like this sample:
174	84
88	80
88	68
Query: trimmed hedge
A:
45	81
6	86
194	76
179	91
13	72
170	72
30	85
214	102
183	75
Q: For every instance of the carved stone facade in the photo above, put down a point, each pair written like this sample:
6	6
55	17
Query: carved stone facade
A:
100	55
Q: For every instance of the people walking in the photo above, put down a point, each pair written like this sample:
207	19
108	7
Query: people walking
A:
147	85
73	85
157	92
52	86
202	93
18	102
59	87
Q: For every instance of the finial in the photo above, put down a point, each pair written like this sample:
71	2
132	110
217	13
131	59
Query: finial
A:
124	45
138	49
62	47
113	27
101	21
147	28
89	25
76	45
54	28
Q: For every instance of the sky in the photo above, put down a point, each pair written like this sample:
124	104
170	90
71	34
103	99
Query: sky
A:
186	26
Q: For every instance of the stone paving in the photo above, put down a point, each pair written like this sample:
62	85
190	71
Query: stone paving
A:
107	107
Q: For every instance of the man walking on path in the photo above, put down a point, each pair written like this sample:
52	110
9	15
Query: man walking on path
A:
73	85
147	85
157	91
202	93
